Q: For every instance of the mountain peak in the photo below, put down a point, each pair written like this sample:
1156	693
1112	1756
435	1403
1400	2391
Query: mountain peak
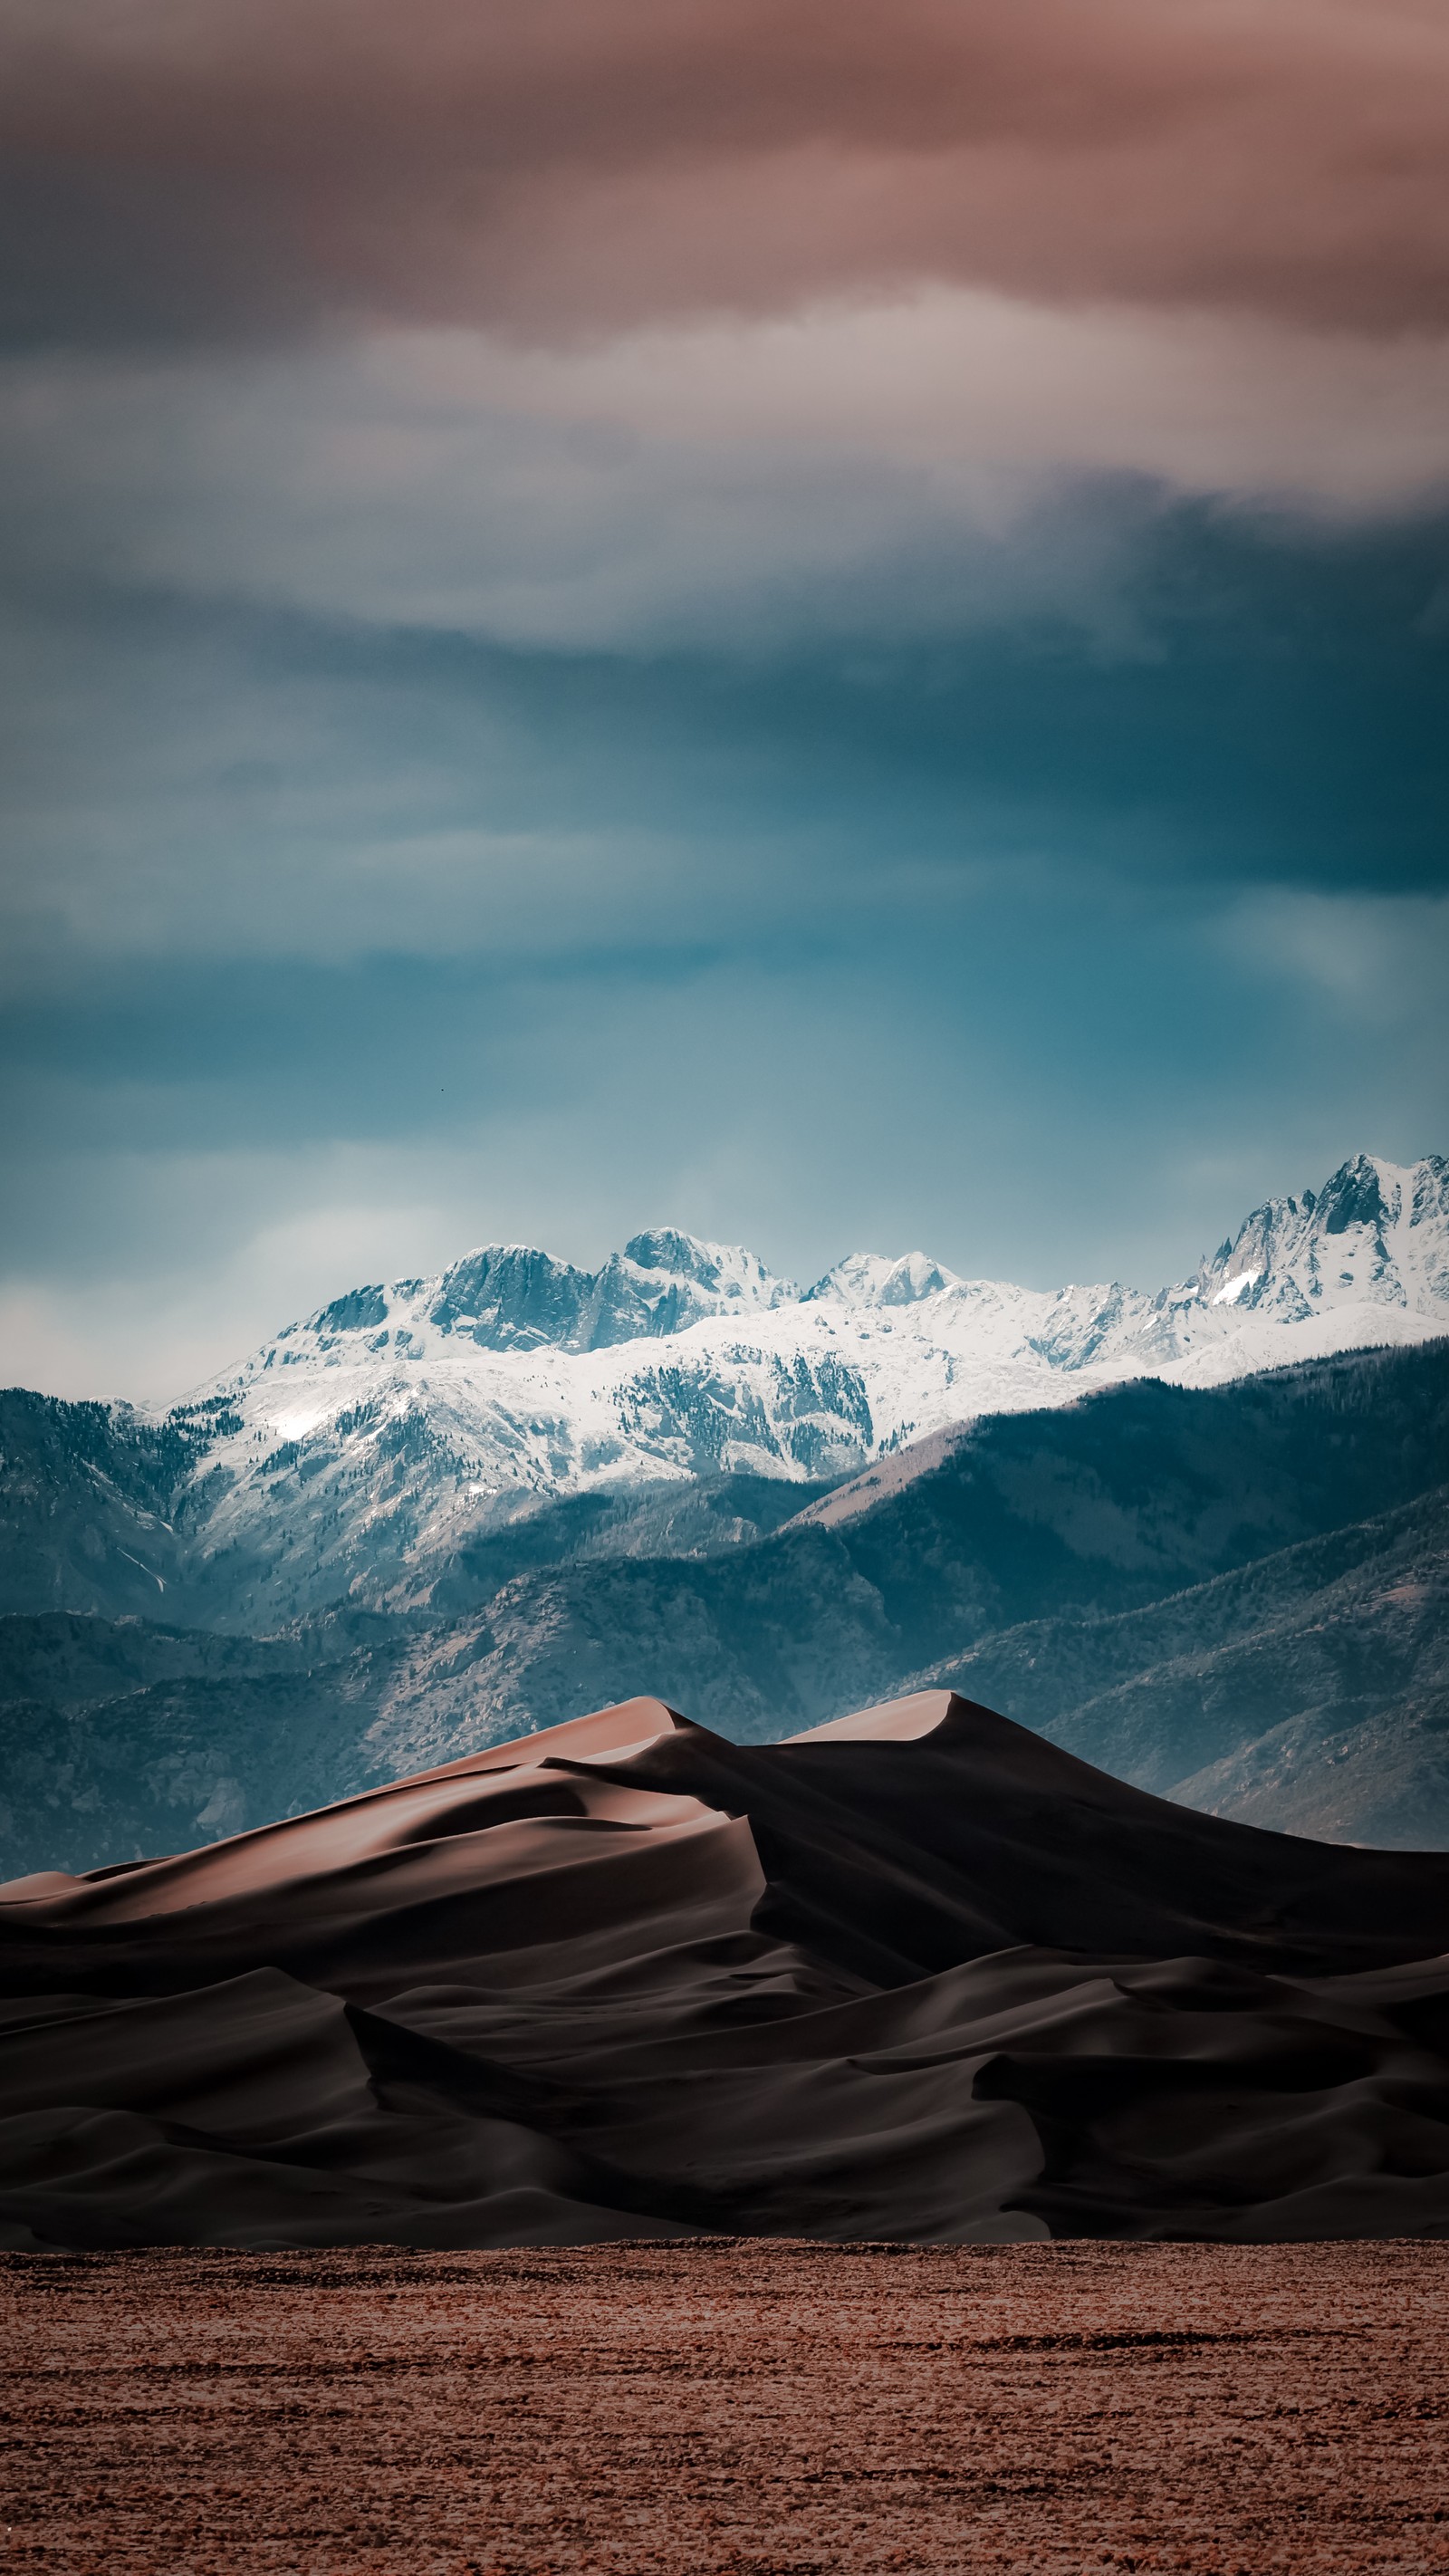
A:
873	1279
729	1269
1354	1195
1375	1234
511	1296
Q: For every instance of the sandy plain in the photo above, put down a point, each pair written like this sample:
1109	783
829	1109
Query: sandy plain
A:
728	2408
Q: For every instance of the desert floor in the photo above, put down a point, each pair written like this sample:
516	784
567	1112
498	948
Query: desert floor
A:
728	2406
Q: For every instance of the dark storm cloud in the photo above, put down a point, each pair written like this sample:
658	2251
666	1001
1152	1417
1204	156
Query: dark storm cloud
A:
324	880
561	164
207	797
1270	705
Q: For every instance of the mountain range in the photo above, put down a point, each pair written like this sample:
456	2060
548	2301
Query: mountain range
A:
357	1454
374	1546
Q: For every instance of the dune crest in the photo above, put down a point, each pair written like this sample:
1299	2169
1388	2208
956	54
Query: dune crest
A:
916	1973
895	1721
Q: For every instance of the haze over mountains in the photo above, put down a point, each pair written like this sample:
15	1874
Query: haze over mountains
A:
445	1512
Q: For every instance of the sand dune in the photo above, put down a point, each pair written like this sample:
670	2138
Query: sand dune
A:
917	1974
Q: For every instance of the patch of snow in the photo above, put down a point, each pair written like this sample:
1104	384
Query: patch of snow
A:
295	1426
1234	1289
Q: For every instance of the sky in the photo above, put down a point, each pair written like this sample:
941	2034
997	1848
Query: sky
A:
829	626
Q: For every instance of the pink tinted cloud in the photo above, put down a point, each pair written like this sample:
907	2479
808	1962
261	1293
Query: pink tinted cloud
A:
553	164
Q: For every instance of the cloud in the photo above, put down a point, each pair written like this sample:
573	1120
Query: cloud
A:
1241	699
1381	961
900	469
556	165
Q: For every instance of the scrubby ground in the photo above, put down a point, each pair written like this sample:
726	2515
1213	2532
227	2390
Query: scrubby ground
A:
714	2408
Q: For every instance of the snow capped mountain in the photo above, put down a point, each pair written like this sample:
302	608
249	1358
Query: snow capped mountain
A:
1375	1235
362	1447
510	1298
867	1279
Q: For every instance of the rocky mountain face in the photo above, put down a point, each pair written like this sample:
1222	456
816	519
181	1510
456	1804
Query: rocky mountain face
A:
119	1737
1308	1692
94	1500
1134	1495
1375	1235
1235	1595
362	1455
509	1297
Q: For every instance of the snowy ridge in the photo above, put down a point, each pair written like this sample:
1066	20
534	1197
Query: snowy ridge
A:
509	1297
371	1439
